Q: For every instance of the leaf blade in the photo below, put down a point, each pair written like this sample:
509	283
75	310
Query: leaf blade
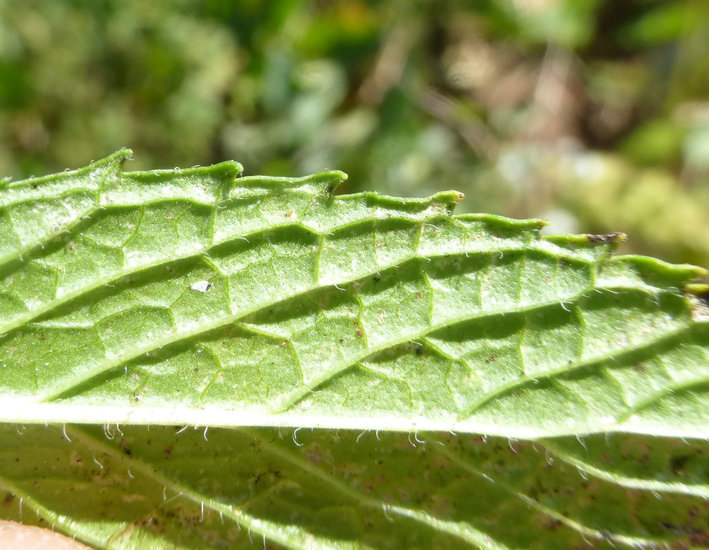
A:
166	487
174	277
194	297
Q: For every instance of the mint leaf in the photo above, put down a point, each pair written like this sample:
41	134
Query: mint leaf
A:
195	297
132	487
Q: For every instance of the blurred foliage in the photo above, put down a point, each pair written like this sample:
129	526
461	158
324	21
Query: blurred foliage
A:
592	113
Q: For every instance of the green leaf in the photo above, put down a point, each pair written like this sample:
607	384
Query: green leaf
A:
130	487
199	298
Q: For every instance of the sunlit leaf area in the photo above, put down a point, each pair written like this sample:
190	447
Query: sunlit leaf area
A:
425	277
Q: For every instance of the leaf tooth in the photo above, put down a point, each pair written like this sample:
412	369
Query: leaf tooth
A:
504	222
449	199
578	246
111	163
323	183
36	210
328	181
608	242
646	273
115	160
443	202
226	169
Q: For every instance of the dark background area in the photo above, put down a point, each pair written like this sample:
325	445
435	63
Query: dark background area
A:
593	114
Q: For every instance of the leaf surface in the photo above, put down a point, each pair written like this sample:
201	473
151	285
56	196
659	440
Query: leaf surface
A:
131	487
197	297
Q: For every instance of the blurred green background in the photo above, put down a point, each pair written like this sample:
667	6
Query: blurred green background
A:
593	114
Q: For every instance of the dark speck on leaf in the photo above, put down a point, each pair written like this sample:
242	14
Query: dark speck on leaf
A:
605	239
678	464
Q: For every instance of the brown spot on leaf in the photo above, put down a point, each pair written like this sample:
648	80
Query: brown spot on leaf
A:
700	538
314	455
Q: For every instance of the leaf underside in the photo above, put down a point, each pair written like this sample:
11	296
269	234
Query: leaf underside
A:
196	297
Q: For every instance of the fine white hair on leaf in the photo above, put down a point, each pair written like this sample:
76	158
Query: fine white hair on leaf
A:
295	437
98	463
487	477
107	431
